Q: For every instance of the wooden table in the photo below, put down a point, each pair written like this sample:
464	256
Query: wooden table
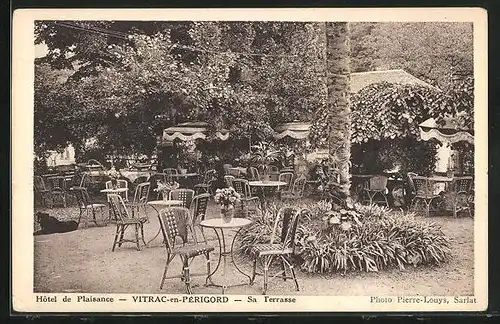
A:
217	224
266	185
157	205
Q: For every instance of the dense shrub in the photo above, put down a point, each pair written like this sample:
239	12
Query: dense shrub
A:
356	238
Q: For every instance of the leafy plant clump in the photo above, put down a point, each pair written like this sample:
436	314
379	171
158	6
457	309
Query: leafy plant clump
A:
355	238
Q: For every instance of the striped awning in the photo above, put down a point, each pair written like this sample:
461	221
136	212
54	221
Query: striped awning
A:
295	130
191	131
446	134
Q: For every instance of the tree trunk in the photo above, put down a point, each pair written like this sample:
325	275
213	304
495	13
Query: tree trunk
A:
338	101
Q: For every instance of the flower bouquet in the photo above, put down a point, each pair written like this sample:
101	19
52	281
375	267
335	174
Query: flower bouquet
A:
226	198
165	188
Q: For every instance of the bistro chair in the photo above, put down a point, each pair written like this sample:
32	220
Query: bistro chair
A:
58	190
119	184
140	199
463	197
280	247
123	221
86	206
297	191
242	187
376	185
175	223
424	191
199	211
288	178
274	173
253	174
41	192
206	185
185	195
228	179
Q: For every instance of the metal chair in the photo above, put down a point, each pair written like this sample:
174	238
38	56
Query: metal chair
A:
376	185
297	191
58	190
185	195
174	223
41	192
242	187
288	178
228	179
424	192
85	205
274	172
123	221
140	199
199	212
281	246
206	186
120	184
462	194
253	174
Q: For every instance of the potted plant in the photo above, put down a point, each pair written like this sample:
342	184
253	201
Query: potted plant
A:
226	198
264	154
114	175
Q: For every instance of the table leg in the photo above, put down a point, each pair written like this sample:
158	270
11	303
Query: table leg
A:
159	229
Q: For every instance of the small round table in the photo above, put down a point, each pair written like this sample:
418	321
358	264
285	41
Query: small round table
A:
157	205
263	185
218	224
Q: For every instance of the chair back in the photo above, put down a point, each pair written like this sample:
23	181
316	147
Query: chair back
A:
288	178
463	184
210	176
141	179
298	186
411	185
119	184
142	193
39	184
423	187
200	204
82	197
273	169
242	187
253	174
378	183
285	227
229	180
226	168
171	171
185	195
174	223
118	208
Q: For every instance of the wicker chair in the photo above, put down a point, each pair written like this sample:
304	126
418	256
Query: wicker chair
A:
463	195
85	204
288	178
424	192
376	185
206	185
281	246
123	221
185	195
140	199
274	172
174	223
297	191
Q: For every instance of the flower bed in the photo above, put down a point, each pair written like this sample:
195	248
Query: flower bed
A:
356	238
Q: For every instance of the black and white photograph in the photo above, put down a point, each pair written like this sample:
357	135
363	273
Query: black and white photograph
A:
250	162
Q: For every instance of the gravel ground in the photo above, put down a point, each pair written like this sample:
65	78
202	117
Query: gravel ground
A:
82	261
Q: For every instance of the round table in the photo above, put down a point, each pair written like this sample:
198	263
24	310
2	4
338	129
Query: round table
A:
157	205
266	184
217	224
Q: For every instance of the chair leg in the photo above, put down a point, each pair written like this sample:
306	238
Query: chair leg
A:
136	230
167	263
207	256
386	201
122	233
142	233
254	270
187	278
116	237
283	267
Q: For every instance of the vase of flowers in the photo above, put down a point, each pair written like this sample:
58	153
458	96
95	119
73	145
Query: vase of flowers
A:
226	198
114	175
165	188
